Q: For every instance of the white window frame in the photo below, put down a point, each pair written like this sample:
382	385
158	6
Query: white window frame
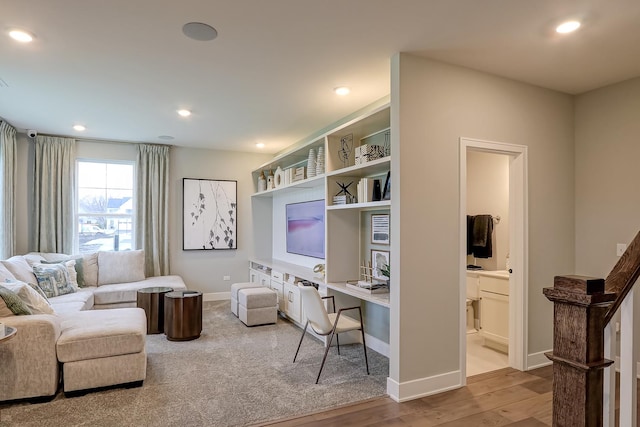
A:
77	213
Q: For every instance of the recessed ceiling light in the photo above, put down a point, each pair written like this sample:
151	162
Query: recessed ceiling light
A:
199	31
567	27
184	113
21	36
166	137
79	128
260	145
342	90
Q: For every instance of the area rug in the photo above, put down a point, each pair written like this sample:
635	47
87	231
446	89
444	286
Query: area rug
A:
232	375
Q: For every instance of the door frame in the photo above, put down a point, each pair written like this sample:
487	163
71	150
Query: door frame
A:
518	248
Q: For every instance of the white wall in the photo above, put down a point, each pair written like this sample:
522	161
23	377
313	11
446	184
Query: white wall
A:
433	105
488	193
204	270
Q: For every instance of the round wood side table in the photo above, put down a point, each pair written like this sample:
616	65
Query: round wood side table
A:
182	315
152	301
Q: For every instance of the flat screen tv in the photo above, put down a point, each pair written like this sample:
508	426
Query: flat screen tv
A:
305	228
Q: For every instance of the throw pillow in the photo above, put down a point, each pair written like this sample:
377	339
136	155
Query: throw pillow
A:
90	269
120	267
36	303
79	267
71	269
20	268
14	302
53	279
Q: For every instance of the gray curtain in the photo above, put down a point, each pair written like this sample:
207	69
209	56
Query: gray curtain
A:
152	207
54	194
7	183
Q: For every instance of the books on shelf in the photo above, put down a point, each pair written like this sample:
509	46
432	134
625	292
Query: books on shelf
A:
369	190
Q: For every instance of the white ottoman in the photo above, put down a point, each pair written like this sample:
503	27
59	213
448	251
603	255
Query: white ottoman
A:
234	293
101	348
257	306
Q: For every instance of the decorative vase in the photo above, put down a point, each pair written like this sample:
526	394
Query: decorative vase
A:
320	161
262	182
311	164
270	180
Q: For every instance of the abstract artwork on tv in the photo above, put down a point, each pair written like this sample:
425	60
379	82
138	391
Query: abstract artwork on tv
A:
305	228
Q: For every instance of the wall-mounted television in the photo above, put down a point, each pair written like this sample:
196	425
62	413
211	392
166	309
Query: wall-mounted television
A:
305	228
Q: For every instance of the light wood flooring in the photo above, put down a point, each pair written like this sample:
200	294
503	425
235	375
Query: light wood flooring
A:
506	397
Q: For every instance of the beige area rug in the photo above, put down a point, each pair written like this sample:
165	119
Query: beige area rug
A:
231	376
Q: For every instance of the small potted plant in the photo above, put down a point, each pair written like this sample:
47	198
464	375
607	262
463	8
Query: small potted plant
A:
386	272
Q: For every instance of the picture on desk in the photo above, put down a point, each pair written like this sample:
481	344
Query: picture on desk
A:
379	259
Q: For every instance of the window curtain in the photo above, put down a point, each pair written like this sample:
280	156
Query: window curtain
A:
7	183
54	194
152	207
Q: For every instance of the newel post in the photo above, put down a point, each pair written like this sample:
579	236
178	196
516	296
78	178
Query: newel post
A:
579	308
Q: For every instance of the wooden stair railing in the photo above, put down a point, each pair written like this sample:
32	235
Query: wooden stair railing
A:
583	306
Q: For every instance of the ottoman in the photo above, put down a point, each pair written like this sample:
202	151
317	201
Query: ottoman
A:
99	348
234	293
257	306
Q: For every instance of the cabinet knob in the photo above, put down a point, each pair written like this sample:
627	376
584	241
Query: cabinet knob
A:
510	271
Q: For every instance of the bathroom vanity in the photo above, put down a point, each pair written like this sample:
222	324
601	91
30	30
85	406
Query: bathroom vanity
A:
491	290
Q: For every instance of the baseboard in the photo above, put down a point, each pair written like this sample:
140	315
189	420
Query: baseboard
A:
216	296
377	345
415	389
538	360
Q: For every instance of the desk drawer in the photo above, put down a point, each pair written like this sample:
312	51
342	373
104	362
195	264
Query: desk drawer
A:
276	275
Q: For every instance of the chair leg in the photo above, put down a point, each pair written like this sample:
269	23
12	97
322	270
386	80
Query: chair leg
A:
364	346
326	351
338	343
304	331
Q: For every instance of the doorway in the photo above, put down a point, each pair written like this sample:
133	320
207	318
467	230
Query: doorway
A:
514	230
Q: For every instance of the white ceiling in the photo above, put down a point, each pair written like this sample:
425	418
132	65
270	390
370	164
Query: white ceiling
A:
123	67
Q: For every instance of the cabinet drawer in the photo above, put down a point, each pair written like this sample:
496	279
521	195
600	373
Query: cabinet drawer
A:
276	275
495	285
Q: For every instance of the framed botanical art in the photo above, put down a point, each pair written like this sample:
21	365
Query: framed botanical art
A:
210	214
380	229
379	259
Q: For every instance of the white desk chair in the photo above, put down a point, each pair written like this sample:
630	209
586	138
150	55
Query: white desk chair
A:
324	323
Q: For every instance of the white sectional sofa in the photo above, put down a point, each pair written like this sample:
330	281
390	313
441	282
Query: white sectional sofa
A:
95	348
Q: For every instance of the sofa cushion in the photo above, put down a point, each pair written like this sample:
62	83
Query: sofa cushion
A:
36	303
127	292
20	268
5	274
77	301
13	302
120	267
53	279
71	270
101	333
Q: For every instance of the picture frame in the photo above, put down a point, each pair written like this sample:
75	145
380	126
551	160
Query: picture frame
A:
378	261
209	214
386	192
380	229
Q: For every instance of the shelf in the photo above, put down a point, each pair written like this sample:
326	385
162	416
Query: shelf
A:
374	167
379	299
316	181
369	206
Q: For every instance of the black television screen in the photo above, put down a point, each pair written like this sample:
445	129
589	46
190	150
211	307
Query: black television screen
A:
305	228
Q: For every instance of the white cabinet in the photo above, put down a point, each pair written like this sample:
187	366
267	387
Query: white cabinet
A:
494	311
278	286
292	303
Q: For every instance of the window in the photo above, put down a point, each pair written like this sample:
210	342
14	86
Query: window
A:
105	206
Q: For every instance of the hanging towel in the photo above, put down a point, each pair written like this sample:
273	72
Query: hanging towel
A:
481	240
469	234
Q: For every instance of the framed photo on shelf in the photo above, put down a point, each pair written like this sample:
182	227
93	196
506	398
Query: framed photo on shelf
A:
378	260
386	191
210	214
380	229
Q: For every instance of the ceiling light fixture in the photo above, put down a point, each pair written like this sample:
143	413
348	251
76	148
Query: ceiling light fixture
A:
199	31
166	137
260	145
21	36
184	113
342	90
79	128
567	27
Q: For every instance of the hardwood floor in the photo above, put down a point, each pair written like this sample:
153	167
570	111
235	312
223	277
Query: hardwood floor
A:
506	397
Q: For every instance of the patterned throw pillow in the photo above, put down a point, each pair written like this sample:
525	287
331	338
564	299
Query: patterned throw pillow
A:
71	269
13	302
53	279
34	300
